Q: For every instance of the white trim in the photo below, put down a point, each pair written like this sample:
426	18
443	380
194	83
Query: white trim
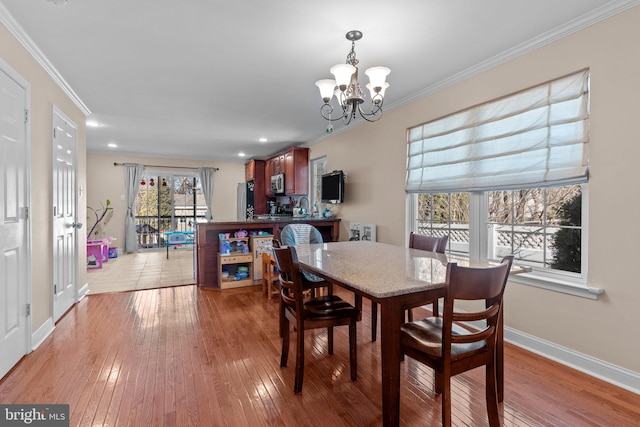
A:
83	291
23	38
621	377
556	285
42	333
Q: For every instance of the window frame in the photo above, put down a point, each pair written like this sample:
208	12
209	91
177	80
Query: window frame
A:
315	183
549	279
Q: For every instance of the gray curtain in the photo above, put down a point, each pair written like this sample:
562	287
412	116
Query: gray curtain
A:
206	178
132	176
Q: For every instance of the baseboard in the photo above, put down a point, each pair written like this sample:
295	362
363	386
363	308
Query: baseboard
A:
83	291
42	333
605	371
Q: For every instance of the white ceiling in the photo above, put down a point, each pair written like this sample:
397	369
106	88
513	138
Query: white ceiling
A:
205	79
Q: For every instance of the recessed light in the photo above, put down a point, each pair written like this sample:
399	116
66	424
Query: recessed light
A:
112	145
263	139
241	154
58	2
93	123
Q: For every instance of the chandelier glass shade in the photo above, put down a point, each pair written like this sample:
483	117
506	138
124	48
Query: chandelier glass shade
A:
348	92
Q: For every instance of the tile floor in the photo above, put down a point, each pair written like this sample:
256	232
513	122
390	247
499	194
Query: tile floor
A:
143	270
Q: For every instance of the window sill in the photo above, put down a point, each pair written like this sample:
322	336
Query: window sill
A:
557	285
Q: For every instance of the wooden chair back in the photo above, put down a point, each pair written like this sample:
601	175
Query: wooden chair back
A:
466	283
428	243
290	277
422	242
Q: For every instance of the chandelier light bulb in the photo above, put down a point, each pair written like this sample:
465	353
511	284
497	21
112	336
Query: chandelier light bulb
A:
343	73
326	87
377	75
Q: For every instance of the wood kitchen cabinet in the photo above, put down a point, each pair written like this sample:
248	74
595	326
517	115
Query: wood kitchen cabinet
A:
296	171
250	171
268	173
255	171
294	164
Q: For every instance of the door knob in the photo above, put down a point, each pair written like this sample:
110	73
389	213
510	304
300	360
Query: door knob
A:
77	225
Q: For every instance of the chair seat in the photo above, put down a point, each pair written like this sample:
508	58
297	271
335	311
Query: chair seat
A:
329	306
426	336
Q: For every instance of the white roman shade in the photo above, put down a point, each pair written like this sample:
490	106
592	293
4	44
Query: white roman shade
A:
534	138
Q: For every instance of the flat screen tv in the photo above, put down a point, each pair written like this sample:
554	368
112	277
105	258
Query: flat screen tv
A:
332	190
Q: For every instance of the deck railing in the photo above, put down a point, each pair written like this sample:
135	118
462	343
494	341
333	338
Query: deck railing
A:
527	242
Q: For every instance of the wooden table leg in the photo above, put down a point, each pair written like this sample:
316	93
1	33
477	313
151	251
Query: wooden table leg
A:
500	356
391	320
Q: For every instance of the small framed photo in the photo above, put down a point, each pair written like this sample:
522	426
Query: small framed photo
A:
362	231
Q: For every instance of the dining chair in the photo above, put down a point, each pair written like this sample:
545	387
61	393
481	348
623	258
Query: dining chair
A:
425	243
295	234
327	311
450	348
269	275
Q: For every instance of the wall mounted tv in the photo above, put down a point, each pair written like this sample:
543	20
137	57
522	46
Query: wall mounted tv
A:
332	187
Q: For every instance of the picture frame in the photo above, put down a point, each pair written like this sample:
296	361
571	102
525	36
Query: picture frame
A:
362	231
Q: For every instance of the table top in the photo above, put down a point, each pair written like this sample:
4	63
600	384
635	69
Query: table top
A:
376	269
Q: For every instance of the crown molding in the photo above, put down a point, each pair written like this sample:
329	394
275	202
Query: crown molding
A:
610	9
23	38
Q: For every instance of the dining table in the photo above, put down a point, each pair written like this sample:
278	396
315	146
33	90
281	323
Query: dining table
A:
397	278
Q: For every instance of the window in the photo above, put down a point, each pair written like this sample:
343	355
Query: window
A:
167	203
445	214
542	227
510	176
318	168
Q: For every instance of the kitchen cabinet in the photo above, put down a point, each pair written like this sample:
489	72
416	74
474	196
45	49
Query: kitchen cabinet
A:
255	171
268	173
250	171
296	171
294	164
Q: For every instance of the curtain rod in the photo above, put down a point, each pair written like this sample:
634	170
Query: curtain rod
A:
168	167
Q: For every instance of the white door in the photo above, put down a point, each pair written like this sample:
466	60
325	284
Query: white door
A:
14	247
64	214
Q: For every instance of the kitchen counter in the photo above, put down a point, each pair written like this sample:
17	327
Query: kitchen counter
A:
207	242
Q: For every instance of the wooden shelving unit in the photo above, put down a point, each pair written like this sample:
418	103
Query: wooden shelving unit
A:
234	259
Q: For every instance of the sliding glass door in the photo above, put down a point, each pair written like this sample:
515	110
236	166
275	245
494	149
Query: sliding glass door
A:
167	203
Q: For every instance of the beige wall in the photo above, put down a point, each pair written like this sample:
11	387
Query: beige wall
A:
373	155
106	181
44	94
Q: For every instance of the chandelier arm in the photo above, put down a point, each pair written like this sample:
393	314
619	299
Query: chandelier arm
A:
373	114
327	116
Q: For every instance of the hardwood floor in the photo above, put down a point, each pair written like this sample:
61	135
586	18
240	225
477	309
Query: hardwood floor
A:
186	357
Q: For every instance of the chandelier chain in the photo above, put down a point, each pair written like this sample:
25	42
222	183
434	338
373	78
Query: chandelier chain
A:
351	57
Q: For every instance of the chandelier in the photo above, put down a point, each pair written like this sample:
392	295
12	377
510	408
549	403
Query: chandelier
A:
347	90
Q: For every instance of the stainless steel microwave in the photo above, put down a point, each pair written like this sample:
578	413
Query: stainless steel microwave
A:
277	183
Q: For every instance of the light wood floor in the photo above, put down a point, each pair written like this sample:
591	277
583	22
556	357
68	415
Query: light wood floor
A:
186	357
143	270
